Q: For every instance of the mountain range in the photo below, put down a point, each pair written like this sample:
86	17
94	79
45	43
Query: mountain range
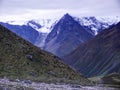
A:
99	56
47	33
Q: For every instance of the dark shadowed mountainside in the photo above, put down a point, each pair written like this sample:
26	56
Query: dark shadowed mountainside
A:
99	56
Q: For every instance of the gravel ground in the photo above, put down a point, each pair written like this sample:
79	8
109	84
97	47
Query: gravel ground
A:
5	84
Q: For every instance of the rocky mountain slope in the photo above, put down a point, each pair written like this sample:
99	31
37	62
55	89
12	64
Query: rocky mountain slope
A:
65	36
19	59
99	56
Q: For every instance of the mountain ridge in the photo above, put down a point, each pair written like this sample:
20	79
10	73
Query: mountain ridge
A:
83	20
65	36
99	56
41	30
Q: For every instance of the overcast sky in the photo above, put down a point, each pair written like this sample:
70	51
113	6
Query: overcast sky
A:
79	7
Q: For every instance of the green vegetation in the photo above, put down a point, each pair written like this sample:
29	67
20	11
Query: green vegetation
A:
19	59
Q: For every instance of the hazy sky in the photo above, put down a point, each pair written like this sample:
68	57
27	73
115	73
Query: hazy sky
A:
79	7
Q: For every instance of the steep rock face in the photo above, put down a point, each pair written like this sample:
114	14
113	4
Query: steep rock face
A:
65	36
99	56
34	24
25	31
21	60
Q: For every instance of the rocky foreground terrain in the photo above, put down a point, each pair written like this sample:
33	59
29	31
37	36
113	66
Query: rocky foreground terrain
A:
6	84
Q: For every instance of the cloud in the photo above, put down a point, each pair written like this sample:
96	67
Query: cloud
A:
34	14
84	7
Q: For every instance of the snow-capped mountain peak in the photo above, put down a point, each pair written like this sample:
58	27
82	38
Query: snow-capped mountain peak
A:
41	25
97	23
110	19
45	25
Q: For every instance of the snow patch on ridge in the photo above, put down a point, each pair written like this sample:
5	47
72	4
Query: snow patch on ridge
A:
96	23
